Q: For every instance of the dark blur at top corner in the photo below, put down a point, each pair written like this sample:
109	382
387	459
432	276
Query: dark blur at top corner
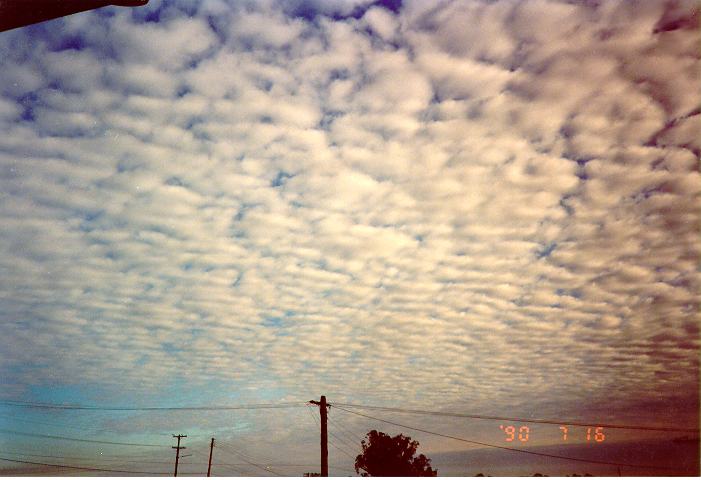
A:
20	13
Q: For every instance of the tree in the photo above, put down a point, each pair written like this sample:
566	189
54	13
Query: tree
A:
385	456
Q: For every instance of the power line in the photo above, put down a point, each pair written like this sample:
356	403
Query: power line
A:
311	412
347	431
241	449
182	463
13	418
505	448
54	406
266	459
516	419
266	469
198	452
338	467
110	458
72	439
283	465
232	467
121	459
345	452
73	467
37	405
25	420
344	442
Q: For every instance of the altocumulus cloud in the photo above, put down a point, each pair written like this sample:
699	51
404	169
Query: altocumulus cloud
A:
493	204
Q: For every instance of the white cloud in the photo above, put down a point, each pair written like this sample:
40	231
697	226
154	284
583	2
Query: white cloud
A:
169	46
381	22
265	31
506	191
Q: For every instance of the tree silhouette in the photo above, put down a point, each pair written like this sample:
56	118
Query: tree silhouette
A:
385	456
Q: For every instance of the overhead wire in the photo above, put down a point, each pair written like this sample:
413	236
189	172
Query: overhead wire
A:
266	469
230	467
242	450
344	429
113	458
62	426
26	420
530	452
192	452
205	454
343	441
311	412
267	460
86	440
345	452
54	406
318	424
517	419
161	462
75	467
337	405
242	456
42	405
337	467
116	461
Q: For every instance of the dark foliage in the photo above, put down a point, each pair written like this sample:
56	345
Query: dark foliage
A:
385	456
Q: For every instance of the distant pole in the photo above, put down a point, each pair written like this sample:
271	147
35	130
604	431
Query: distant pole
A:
177	452
324	436
211	449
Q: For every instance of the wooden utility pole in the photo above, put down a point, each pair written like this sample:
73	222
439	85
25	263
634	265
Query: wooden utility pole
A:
211	449
177	452
324	436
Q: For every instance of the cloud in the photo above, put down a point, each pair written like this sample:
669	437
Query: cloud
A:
381	22
490	207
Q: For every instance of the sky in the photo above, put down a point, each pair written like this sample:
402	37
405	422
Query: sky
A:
484	207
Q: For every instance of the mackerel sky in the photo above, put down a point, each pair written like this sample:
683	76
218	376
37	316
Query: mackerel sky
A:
472	206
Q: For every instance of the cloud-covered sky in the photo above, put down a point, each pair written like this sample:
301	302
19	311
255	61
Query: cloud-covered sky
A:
487	207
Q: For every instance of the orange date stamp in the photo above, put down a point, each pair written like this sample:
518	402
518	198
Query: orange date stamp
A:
523	432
